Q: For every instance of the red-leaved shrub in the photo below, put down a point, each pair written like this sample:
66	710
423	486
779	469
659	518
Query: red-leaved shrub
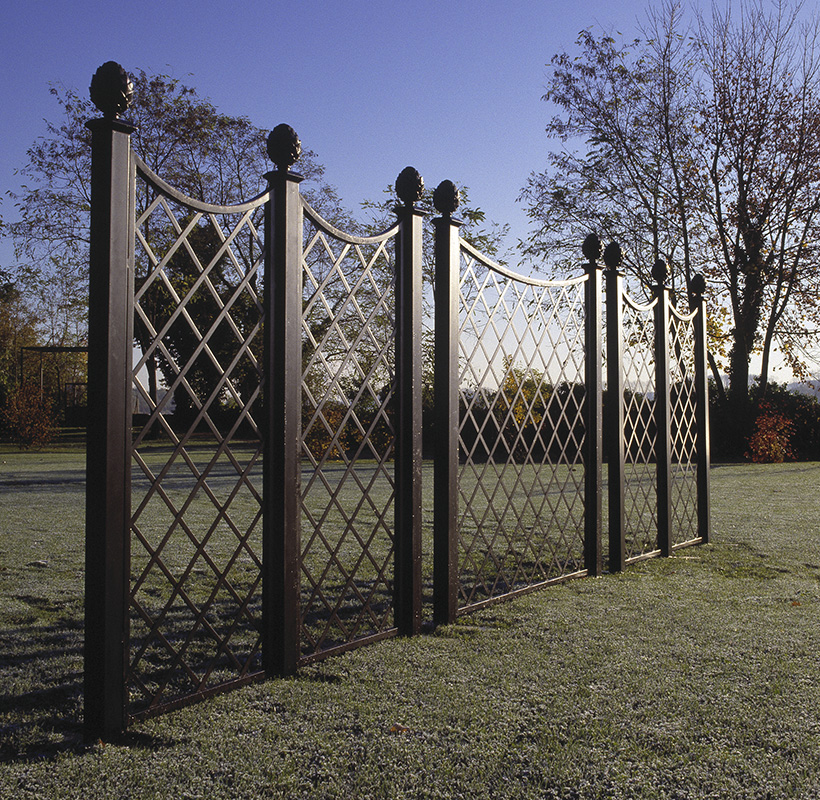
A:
770	443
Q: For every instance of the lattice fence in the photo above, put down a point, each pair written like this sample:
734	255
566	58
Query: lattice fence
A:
684	427
640	493
348	437
255	472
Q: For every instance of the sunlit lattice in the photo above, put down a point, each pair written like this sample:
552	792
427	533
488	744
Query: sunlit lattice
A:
196	507
683	446
348	482
521	430
640	501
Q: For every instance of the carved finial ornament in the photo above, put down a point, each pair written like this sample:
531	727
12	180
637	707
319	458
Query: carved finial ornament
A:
284	147
409	186
613	256
446	198
112	89
591	248
698	285
659	272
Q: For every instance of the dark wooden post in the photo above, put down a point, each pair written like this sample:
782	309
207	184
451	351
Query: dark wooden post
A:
663	424
445	514
407	583
593	409
282	381
697	302
614	433
110	342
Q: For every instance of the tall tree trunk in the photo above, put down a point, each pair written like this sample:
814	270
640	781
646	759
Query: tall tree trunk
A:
716	377
736	418
739	373
747	322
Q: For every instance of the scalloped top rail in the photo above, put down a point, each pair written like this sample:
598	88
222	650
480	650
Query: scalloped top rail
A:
515	276
642	307
681	315
317	219
151	177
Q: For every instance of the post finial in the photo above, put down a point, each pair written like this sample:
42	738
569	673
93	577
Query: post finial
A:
409	186
613	256
446	198
697	286
659	272
591	248
284	147
111	90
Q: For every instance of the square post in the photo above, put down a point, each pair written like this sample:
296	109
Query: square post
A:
593	410
446	393
702	432
614	413
663	422
108	470
282	381
407	506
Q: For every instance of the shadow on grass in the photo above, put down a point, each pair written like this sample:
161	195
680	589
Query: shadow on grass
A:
41	695
41	687
40	724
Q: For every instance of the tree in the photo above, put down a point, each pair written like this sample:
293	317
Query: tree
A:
697	143
28	415
762	127
17	330
487	237
210	156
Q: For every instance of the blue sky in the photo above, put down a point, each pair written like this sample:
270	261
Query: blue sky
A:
452	88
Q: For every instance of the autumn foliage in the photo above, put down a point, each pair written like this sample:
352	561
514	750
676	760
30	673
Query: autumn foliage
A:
770	443
29	418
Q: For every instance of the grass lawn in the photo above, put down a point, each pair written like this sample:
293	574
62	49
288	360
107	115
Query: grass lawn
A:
696	676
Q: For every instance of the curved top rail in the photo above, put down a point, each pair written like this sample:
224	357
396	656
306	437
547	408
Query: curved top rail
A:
322	223
515	276
636	306
158	183
682	316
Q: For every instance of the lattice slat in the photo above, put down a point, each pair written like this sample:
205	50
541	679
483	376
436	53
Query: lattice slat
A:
684	442
640	474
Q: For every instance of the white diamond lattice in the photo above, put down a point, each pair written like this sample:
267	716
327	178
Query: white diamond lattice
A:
348	335
640	474
521	431
196	505
684	443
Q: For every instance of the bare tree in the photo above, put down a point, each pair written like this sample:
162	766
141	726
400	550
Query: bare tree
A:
697	143
760	122
208	155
